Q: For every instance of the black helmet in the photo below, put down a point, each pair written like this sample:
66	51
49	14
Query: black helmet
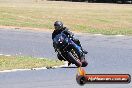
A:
58	25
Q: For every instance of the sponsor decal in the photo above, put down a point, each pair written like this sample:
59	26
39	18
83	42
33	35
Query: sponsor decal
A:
83	78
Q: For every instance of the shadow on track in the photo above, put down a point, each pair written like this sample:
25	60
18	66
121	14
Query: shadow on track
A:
68	67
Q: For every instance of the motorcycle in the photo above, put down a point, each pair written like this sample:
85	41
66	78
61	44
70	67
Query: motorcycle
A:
69	51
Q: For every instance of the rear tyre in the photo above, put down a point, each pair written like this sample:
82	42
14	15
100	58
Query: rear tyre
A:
60	57
73	60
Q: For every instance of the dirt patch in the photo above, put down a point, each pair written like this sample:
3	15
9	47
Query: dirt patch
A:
35	29
27	28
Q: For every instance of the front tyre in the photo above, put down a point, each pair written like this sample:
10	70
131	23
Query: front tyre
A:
74	60
84	63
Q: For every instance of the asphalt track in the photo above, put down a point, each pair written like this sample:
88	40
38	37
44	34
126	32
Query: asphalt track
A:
107	54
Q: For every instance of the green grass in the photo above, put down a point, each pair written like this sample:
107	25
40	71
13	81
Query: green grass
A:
22	62
81	17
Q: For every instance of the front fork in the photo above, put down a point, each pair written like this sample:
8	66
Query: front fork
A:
78	51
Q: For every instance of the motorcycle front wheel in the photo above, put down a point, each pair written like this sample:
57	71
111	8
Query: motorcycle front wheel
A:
84	63
73	59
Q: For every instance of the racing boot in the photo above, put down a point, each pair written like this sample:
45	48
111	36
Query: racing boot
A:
84	51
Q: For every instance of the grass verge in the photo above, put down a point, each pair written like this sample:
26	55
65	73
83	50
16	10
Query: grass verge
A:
101	18
22	62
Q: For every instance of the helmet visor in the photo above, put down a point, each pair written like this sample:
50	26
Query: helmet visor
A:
57	27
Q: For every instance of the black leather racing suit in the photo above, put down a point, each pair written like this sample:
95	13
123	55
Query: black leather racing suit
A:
68	33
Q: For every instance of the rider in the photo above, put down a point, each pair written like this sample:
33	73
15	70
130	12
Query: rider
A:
58	25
